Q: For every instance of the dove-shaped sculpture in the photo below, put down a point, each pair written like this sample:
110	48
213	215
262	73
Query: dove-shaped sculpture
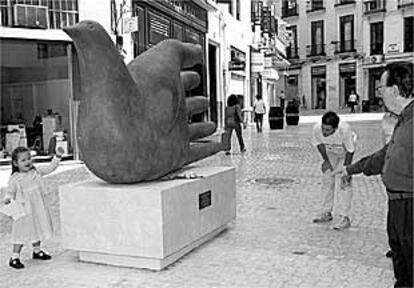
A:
133	119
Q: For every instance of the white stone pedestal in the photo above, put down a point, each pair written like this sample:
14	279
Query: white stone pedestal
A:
146	225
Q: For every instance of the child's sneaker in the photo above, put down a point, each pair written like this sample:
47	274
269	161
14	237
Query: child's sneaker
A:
324	217
41	255
15	263
343	223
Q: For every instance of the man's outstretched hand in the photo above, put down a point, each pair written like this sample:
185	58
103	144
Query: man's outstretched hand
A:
133	120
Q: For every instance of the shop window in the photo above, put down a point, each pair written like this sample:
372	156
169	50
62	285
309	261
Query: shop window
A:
35	91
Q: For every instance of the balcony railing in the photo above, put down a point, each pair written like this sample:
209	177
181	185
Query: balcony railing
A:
344	2
405	3
374	6
344	46
292	52
315	5
315	50
377	48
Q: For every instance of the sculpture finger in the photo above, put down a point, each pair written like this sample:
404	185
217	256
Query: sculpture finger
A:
201	130
200	150
190	79
196	105
183	55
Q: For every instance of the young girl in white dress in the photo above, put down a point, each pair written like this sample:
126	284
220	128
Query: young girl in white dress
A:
26	186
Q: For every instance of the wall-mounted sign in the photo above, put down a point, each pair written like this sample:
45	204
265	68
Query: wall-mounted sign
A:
393	47
237	59
318	70
204	200
129	24
257	62
237	66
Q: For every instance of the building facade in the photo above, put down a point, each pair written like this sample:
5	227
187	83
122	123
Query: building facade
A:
325	51
234	39
388	33
341	46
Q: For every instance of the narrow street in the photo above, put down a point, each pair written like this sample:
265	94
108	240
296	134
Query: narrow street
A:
272	242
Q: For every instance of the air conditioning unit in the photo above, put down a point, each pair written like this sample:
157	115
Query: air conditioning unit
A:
30	16
376	59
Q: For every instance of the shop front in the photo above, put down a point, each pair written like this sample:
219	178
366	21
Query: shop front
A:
347	82
37	106
318	74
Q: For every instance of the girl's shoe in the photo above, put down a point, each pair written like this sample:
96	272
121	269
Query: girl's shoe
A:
41	255
15	263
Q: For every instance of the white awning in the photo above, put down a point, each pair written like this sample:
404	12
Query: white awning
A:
271	74
34	34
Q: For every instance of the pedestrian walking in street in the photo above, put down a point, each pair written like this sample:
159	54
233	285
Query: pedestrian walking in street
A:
282	100
232	121
336	144
259	109
27	188
395	163
352	101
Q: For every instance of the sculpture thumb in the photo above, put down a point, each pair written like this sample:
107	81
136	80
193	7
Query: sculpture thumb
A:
110	108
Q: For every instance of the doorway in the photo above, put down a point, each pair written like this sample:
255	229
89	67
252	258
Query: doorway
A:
318	74
347	85
212	64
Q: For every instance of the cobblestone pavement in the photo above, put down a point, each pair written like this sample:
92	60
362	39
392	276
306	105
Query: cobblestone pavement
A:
272	243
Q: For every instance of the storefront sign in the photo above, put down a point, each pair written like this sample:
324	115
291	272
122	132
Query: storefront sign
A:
237	66
257	62
347	68
238	59
270	73
129	25
318	70
393	47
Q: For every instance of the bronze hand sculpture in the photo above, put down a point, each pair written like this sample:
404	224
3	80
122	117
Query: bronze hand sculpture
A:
133	120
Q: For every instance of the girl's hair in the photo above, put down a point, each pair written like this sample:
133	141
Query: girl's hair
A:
232	100
15	157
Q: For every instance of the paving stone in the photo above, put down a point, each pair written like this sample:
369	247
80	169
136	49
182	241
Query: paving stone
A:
272	243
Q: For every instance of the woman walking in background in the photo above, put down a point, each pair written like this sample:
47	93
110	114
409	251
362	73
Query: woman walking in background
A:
232	121
259	109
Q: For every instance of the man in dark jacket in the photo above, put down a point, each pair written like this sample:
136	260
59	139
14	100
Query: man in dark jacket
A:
395	164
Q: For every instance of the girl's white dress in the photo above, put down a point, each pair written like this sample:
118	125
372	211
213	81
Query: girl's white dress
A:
29	189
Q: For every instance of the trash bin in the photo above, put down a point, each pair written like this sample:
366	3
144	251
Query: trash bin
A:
292	114
276	118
